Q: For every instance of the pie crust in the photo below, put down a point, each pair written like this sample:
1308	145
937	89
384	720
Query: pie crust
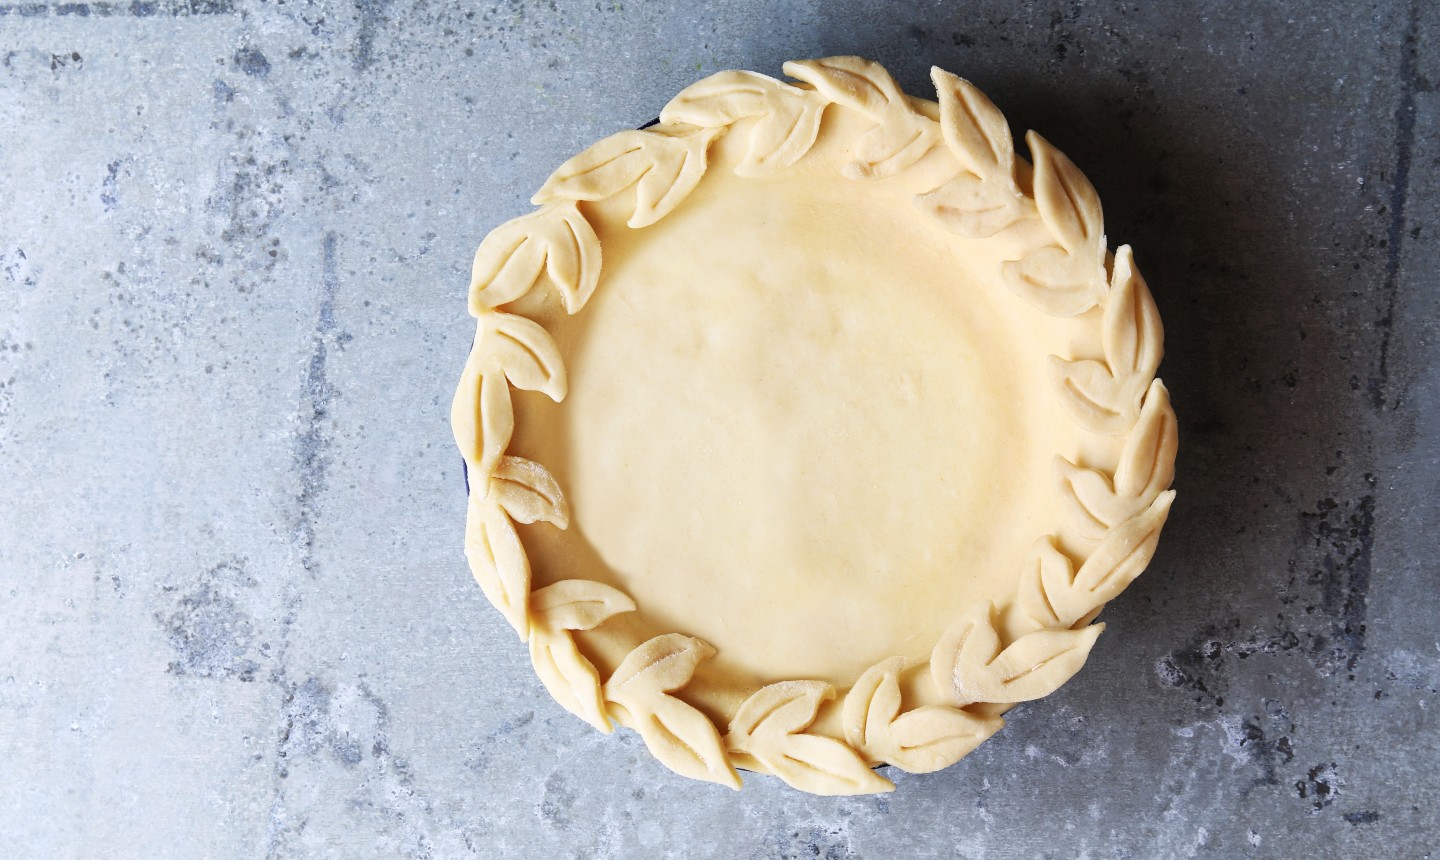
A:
864	429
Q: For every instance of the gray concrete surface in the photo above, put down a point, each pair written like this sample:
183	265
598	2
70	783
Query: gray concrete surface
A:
235	620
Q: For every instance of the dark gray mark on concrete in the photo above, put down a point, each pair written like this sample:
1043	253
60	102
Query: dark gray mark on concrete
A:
66	61
252	62
556	802
1344	536
18	270
249	196
1265	740
310	459
481	760
210	632
135	9
1204	667
223	92
1320	786
1329	578
1399	191
1366	817
303	720
807	843
311	727
351	727
372	17
109	195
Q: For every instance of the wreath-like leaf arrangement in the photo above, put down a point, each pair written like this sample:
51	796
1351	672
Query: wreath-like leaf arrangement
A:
978	668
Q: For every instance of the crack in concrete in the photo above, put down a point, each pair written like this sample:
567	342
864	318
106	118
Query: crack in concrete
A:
311	464
1399	192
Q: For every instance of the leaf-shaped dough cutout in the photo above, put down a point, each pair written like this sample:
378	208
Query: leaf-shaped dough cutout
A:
975	130
1120	558
661	664
854	82
1067	201
1147	462
554	244
724	98
482	419
1059	283
498	561
780	708
1133	338
789	116
663	162
969	665
572	604
933	737
682	738
871	705
497	424
1094	502
577	604
923	740
568	676
902	136
769	726
1098	401
1089	498
824	766
524	351
975	208
528	492
1054	595
1047	578
902	139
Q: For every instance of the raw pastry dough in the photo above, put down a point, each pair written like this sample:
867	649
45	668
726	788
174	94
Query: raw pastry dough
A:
855	397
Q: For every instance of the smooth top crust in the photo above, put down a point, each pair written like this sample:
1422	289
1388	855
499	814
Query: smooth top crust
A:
865	428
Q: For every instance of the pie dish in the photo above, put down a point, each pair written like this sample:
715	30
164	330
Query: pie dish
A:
842	449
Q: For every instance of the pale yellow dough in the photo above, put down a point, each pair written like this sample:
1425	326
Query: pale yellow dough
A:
796	425
810	430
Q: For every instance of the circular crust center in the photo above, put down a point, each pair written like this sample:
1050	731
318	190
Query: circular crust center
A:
796	425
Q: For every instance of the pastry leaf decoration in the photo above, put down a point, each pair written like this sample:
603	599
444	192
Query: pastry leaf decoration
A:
788	117
554	244
524	352
529	493
969	664
975	208
1067	201
1105	397
498	561
901	137
1132	335
682	738
1057	282
926	739
481	418
770	727
1053	594
974	129
556	609
1097	502
1067	278
664	163
986	200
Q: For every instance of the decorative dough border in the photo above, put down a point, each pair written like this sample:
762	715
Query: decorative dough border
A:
1119	514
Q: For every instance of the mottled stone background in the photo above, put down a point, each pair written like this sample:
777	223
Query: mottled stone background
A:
235	620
